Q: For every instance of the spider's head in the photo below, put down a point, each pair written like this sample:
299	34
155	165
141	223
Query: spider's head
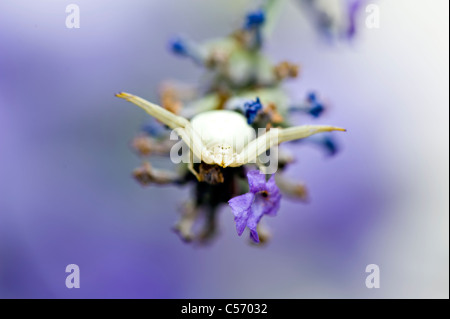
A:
222	154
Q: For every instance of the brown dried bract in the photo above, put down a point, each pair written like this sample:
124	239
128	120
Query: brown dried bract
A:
285	69
146	175
211	174
292	189
300	191
217	57
184	227
241	36
223	98
170	100
143	145
274	116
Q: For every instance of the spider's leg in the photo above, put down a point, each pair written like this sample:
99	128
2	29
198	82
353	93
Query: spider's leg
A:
193	149
195	144
192	170
168	118
276	136
256	147
299	132
179	124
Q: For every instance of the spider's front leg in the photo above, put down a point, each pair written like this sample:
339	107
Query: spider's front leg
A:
179	124
168	118
195	145
276	136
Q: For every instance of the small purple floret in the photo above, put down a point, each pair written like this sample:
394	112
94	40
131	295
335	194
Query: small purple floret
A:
262	199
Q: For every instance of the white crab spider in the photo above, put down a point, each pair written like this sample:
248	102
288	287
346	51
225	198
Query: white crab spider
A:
223	137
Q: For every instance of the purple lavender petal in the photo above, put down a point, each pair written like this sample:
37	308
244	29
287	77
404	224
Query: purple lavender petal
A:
257	212
263	205
273	200
263	199
272	186
254	236
256	181
241	207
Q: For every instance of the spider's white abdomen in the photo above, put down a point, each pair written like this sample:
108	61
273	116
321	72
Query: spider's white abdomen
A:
223	128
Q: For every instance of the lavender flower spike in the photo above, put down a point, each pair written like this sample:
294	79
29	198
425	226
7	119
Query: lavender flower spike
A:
263	199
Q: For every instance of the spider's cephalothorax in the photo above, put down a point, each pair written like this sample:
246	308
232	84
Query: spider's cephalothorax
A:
224	134
224	137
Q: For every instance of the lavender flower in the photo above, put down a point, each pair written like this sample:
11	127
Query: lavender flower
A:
179	46
251	109
312	106
183	47
330	145
325	142
254	19
334	19
263	199
316	107
241	92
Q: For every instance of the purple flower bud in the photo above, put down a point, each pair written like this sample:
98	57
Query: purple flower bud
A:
251	109
255	19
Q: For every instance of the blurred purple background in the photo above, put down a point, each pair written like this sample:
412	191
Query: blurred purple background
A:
66	195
